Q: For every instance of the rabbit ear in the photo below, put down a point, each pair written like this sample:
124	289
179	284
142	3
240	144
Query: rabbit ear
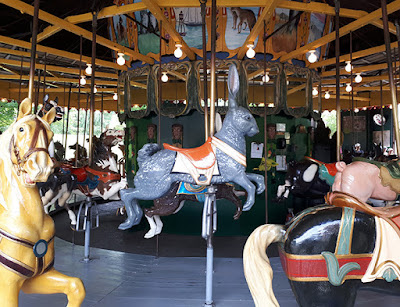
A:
233	85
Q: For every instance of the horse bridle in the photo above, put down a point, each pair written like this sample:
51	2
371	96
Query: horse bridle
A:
32	149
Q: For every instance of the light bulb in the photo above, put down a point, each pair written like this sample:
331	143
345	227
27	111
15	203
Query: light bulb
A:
348	66
312	57
250	52
265	78
121	59
82	81
115	97
348	88
88	69
327	95
358	78
356	110
178	51
164	77
315	91
95	89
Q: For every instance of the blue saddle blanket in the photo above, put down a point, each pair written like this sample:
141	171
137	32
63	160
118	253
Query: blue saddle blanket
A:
197	190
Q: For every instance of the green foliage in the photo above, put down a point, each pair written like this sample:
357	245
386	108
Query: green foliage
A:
8	113
329	119
60	127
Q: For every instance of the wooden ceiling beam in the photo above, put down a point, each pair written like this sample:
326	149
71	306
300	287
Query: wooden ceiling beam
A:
57	52
355	55
358	23
358	69
15	52
176	74
153	7
67	70
73	90
365	80
266	15
104	13
347	97
26	8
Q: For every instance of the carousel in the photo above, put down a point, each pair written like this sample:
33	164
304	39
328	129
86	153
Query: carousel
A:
179	154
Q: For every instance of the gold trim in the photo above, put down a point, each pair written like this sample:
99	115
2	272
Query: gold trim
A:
309	279
320	257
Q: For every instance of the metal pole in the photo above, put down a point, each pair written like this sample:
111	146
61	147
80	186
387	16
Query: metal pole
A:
337	54
390	72
213	38
102	111
79	102
68	110
37	90
44	74
33	48
203	28
20	79
380	83
208	229
351	84
92	83
265	126
159	93
88	227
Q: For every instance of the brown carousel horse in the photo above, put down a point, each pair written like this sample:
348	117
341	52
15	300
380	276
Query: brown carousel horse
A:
27	233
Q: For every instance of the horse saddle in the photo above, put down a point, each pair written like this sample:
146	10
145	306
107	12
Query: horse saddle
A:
199	162
391	214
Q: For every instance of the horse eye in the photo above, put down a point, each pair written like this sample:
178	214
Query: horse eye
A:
21	129
248	117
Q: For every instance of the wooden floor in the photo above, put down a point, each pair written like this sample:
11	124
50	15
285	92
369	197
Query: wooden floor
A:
122	279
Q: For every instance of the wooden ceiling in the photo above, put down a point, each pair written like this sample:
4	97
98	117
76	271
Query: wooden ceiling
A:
62	65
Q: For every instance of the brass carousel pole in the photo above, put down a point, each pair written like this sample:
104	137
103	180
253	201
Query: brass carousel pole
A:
390	72
212	70
92	84
205	96
265	125
209	223
33	48
337	54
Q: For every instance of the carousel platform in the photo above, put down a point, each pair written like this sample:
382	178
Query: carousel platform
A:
137	277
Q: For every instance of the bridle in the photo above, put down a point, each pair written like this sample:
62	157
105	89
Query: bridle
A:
32	147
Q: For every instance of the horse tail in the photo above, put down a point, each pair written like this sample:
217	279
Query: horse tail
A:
340	166
147	151
257	268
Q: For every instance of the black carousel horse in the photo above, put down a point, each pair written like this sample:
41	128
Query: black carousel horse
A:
328	252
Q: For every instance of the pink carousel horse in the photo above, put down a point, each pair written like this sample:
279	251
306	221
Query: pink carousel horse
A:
368	180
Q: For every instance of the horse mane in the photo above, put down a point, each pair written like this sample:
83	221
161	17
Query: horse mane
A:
100	151
5	159
5	156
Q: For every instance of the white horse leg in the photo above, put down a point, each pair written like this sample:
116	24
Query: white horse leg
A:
159	224
46	209
72	217
152	232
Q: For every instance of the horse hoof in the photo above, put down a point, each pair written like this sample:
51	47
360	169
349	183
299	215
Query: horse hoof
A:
125	225
149	234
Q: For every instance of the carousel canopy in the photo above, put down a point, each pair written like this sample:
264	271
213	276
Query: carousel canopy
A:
283	32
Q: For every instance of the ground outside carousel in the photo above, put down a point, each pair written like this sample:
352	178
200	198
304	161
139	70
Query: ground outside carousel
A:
124	270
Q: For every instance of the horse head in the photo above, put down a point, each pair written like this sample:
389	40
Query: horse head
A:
111	137
237	118
29	142
48	105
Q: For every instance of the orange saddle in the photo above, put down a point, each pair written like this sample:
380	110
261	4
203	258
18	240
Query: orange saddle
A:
202	157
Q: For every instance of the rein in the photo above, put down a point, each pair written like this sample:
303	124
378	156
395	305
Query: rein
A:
32	147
